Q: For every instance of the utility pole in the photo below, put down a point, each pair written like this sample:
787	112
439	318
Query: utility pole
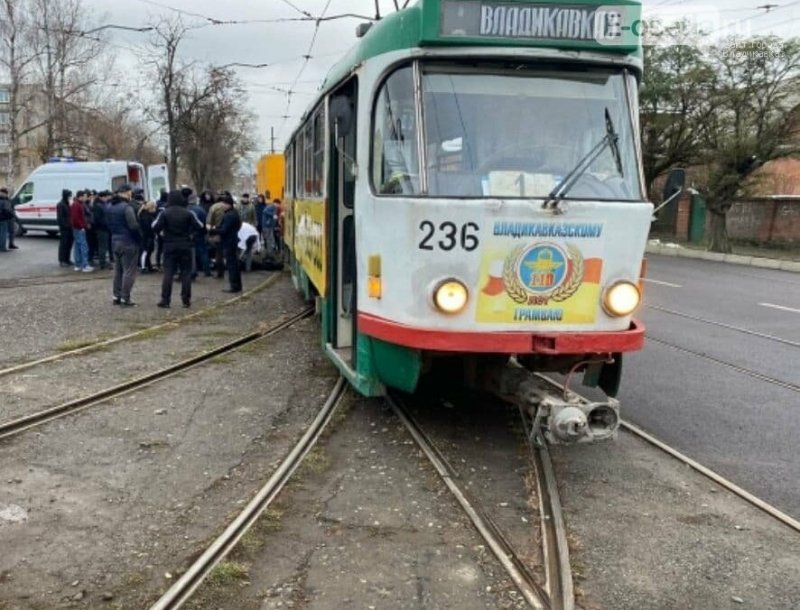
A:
272	139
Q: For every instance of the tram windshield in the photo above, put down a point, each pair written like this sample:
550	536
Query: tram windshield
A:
505	133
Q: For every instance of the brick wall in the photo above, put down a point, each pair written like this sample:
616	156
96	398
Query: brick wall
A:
766	220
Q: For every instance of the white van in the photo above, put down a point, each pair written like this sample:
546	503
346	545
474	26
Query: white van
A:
35	201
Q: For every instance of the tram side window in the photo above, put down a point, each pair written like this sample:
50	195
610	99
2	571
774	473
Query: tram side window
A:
308	156
289	189
395	166
318	160
299	180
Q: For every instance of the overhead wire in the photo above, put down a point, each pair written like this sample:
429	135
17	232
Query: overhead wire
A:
297	8
307	57
214	21
766	12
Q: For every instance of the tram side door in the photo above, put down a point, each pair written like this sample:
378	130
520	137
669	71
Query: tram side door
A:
343	135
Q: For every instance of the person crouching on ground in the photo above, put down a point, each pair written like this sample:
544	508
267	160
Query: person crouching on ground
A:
178	226
126	240
228	230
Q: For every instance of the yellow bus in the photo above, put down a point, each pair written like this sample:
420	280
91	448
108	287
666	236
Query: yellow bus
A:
270	171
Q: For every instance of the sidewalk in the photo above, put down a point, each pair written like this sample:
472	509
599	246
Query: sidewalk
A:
765	259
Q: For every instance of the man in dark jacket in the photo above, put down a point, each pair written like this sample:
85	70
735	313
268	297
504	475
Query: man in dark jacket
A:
161	204
126	239
101	227
200	243
6	222
64	229
177	225
228	230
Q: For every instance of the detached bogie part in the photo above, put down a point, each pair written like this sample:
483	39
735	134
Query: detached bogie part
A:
572	420
558	419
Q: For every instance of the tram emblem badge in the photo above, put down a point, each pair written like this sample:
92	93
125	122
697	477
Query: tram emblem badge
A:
535	275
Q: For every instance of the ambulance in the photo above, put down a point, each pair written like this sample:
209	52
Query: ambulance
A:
35	201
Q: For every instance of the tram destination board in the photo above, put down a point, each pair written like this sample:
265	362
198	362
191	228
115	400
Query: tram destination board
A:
606	24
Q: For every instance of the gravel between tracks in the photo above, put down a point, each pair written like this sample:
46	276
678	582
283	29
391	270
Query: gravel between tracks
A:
368	524
56	382
106	503
38	321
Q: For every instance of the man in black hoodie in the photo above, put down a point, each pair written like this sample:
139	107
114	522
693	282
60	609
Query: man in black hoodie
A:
228	230
177	225
101	227
64	229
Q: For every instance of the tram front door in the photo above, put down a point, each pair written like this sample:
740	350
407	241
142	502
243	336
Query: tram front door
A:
343	182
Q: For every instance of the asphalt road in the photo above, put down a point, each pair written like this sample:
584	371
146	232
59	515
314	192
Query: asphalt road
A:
724	388
37	256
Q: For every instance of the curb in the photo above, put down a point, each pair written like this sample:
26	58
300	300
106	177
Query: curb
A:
734	259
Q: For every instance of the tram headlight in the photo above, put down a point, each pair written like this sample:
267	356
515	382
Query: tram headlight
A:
621	299
450	296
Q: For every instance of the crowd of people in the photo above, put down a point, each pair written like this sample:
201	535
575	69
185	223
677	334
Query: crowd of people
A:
185	234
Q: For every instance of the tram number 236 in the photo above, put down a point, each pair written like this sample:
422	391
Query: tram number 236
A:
448	235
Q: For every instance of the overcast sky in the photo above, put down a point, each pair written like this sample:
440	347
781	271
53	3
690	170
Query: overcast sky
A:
283	44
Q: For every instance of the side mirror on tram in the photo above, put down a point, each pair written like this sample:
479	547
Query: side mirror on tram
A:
341	113
673	187
674	184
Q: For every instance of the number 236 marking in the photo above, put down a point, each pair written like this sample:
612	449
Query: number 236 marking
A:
450	235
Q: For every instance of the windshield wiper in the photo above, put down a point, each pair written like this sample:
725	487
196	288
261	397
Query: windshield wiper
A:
610	140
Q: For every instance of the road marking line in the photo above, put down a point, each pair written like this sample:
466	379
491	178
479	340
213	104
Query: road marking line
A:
649	281
781	307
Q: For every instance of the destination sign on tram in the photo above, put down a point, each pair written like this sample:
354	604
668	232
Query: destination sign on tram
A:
607	24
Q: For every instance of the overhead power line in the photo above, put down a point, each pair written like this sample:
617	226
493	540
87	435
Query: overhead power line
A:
214	21
298	9
767	9
307	57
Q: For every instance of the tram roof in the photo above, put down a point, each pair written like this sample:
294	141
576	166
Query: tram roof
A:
571	25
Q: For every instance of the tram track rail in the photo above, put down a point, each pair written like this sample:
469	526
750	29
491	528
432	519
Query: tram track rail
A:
556	594
788	385
103	343
714	476
554	533
739	329
34	420
54	280
185	586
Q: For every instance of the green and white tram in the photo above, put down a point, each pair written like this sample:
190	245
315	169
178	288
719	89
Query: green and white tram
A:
469	184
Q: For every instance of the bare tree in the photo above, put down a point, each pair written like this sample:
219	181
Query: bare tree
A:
17	56
67	62
115	130
170	73
200	109
215	128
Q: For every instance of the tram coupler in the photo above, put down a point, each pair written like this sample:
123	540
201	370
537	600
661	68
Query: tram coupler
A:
561	418
565	422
